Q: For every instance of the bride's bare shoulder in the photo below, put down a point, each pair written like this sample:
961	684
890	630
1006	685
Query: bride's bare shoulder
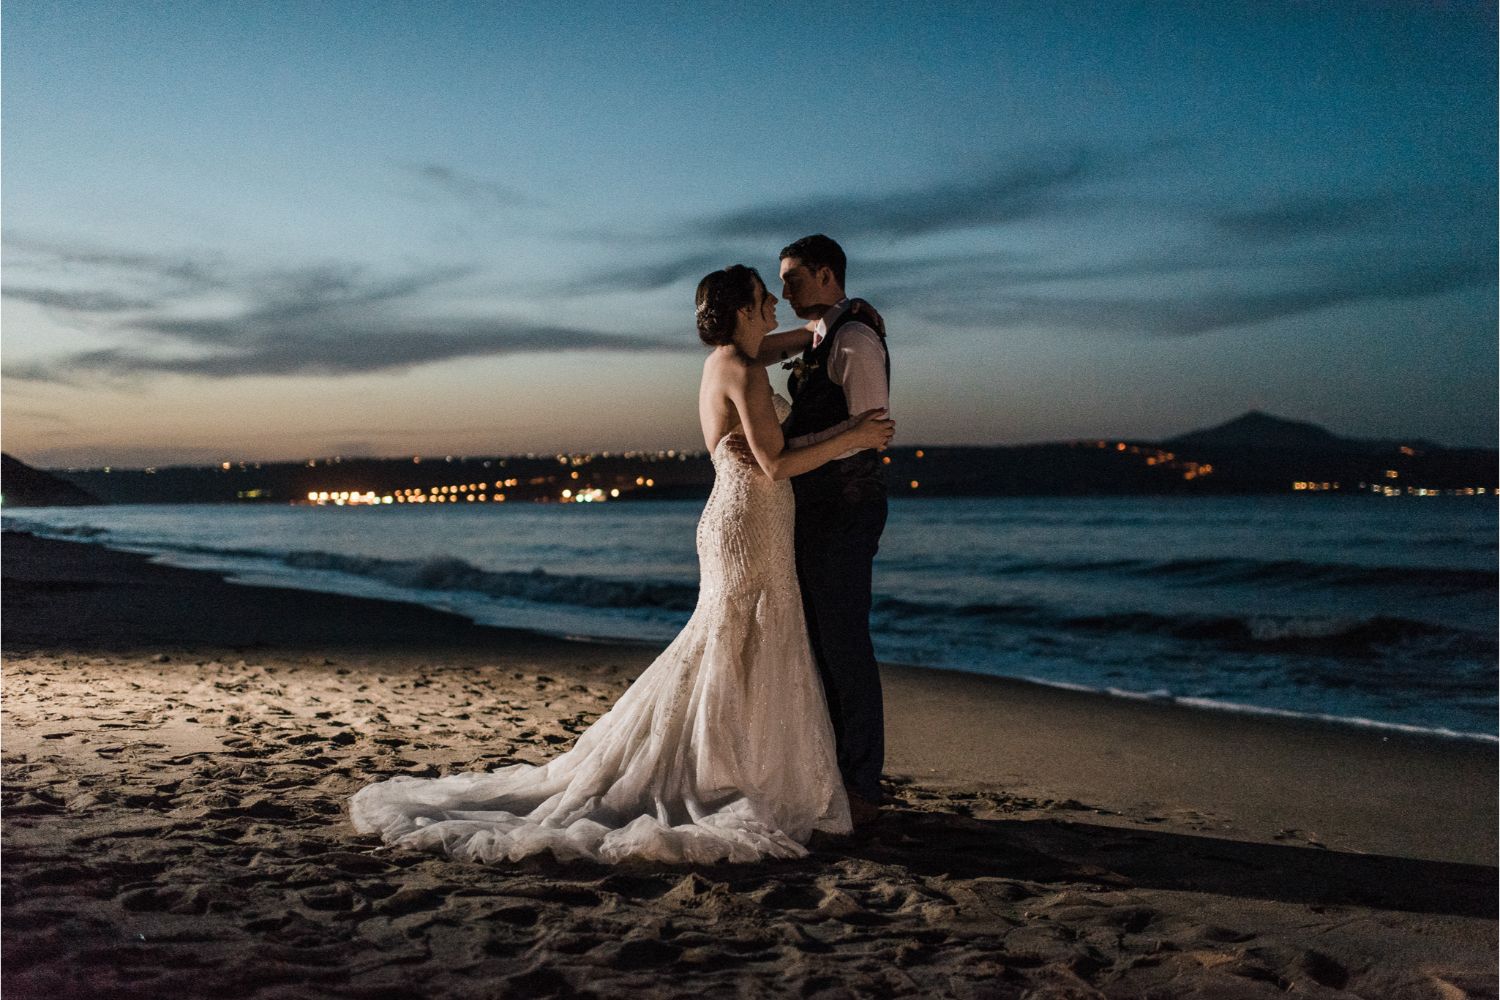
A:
726	366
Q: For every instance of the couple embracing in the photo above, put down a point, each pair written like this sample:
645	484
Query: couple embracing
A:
761	721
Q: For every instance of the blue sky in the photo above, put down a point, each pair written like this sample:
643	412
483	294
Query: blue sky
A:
283	230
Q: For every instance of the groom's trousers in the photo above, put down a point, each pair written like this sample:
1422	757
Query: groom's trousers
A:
836	541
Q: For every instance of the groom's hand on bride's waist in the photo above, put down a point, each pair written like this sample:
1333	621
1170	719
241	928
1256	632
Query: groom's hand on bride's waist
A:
739	447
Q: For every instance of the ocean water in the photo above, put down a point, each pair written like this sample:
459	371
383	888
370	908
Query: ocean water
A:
1369	610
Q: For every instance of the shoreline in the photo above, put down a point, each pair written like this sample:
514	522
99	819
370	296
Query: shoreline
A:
1333	754
1184	702
178	752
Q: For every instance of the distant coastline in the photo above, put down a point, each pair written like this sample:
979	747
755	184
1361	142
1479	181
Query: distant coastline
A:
1253	454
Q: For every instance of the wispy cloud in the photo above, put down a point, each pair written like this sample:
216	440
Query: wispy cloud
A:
41	417
1025	188
84	279
923	278
306	293
77	301
1303	216
322	320
650	275
1191	314
1021	190
336	351
1227	269
475	192
199	271
1253	264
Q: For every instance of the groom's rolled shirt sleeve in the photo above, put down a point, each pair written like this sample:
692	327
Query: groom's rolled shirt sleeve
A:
856	363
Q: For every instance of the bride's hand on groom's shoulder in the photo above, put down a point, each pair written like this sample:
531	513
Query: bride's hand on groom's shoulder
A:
867	314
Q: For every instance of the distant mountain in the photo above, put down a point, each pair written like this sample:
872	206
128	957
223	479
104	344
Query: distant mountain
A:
1258	430
23	486
1262	430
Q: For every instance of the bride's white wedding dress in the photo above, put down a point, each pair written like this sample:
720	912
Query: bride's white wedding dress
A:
720	751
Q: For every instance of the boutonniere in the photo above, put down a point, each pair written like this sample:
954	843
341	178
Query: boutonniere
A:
800	367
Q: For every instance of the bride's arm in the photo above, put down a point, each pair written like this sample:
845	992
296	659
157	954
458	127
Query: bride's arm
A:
780	346
751	395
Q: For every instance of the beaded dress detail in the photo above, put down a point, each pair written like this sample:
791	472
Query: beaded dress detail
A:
720	751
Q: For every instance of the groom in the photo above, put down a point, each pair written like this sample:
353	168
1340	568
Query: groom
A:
841	506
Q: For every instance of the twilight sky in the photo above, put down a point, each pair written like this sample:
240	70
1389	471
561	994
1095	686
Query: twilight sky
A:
294	229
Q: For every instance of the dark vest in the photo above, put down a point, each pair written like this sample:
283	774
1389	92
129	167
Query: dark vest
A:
818	403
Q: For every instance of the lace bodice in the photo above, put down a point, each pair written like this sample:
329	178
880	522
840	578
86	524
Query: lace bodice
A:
745	533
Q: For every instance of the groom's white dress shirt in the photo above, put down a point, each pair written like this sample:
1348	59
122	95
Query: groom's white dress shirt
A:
857	363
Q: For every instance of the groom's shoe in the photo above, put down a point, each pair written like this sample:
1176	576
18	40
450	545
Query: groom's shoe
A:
862	812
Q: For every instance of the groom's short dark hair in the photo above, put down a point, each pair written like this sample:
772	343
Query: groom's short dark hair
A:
819	251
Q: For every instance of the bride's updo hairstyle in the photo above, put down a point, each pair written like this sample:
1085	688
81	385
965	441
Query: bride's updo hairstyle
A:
721	295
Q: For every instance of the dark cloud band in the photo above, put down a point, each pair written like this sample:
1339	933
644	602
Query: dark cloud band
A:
348	352
1018	191
77	301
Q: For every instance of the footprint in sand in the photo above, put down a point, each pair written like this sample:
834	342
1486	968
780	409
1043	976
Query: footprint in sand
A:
149	899
635	887
839	905
788	897
1213	932
515	914
644	953
337	897
400	901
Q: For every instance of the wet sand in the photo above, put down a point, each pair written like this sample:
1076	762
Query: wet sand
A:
178	750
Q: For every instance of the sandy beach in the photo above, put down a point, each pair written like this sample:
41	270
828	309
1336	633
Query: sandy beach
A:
178	752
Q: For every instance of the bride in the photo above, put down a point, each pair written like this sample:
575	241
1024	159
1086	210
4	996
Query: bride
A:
722	749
